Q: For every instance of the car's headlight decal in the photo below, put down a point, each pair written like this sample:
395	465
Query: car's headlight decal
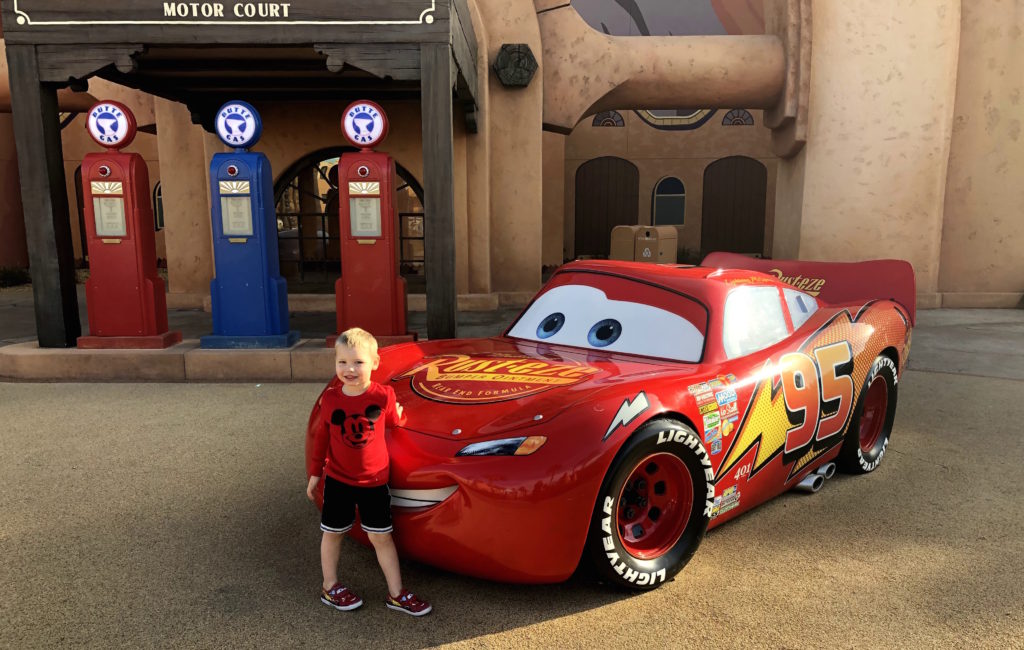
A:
522	446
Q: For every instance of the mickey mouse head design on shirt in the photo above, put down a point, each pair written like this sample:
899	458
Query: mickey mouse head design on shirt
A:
357	429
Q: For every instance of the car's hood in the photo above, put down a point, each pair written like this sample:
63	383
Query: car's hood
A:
485	387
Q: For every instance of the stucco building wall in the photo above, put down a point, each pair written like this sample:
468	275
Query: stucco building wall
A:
881	110
982	258
659	153
554	198
914	148
514	121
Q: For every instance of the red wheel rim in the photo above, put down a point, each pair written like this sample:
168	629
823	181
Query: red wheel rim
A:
654	506
872	417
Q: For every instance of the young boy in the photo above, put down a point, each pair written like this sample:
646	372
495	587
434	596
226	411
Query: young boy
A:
353	416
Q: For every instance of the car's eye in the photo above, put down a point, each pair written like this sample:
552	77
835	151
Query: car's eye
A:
604	333
550	325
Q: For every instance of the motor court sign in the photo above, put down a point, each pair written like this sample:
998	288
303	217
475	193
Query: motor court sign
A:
54	13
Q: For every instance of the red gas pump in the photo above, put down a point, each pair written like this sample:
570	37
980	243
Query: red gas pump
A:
125	297
370	292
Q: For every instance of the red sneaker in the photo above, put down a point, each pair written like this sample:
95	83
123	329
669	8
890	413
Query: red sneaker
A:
340	597
409	603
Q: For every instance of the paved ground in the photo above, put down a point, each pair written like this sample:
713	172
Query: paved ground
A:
130	520
173	515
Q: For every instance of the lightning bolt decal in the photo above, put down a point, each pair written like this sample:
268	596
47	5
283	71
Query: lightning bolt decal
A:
771	421
767	421
629	411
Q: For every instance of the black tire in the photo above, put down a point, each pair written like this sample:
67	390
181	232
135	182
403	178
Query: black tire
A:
863	450
639	558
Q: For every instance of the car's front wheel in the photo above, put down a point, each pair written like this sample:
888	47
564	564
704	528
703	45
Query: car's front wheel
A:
653	508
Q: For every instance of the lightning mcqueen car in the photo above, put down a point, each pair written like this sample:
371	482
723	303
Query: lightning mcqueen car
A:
631	406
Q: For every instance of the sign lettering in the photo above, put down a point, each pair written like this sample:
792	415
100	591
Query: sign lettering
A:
156	12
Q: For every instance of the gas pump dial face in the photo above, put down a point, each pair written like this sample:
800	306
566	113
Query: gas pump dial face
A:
365	124
238	125
111	125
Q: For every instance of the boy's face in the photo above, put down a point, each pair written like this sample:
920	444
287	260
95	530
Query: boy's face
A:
353	365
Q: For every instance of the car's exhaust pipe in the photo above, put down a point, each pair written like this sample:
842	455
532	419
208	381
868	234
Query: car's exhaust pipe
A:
828	470
811	483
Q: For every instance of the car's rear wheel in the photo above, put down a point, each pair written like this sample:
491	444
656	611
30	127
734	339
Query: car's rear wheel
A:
653	507
868	435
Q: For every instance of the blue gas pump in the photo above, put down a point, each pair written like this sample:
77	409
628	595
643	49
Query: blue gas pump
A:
249	297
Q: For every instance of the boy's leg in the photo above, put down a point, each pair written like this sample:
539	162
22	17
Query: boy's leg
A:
387	557
375	512
338	514
330	553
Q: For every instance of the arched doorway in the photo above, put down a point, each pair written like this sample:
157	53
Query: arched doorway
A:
607	195
306	202
732	217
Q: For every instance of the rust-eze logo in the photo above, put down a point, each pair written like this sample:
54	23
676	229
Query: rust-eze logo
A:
463	379
812	286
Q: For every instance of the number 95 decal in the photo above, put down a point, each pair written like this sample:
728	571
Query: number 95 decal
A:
818	393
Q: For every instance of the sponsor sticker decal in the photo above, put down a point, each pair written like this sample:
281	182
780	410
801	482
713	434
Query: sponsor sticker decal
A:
726	396
812	286
712	420
727	427
712	434
729	500
483	379
730	412
710	407
702	387
716	446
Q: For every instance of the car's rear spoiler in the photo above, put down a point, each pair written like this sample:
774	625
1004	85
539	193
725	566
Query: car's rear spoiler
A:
835	282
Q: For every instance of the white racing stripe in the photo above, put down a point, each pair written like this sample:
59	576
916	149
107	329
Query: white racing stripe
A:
420	498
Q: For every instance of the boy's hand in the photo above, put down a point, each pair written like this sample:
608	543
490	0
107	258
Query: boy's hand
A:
311	488
398	410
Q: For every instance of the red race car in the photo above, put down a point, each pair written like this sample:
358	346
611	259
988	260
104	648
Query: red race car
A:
632	406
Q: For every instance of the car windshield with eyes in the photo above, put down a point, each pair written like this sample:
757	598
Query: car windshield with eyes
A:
615	314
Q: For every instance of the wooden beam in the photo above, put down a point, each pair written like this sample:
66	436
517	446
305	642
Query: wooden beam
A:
438	189
464	47
398	61
63	63
44	200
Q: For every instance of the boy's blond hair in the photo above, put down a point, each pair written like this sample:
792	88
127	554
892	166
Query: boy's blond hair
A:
359	338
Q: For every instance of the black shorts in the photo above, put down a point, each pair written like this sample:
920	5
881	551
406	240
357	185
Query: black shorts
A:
341	499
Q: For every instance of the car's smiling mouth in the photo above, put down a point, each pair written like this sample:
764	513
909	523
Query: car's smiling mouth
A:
420	498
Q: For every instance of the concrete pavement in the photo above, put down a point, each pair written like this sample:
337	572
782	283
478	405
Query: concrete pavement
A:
173	515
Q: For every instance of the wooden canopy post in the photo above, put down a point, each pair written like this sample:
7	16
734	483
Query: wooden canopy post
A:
438	188
44	200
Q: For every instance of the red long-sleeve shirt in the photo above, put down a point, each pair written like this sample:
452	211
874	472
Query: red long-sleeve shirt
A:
349	436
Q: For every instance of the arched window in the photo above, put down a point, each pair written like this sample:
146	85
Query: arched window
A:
669	204
738	117
308	238
608	118
158	207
